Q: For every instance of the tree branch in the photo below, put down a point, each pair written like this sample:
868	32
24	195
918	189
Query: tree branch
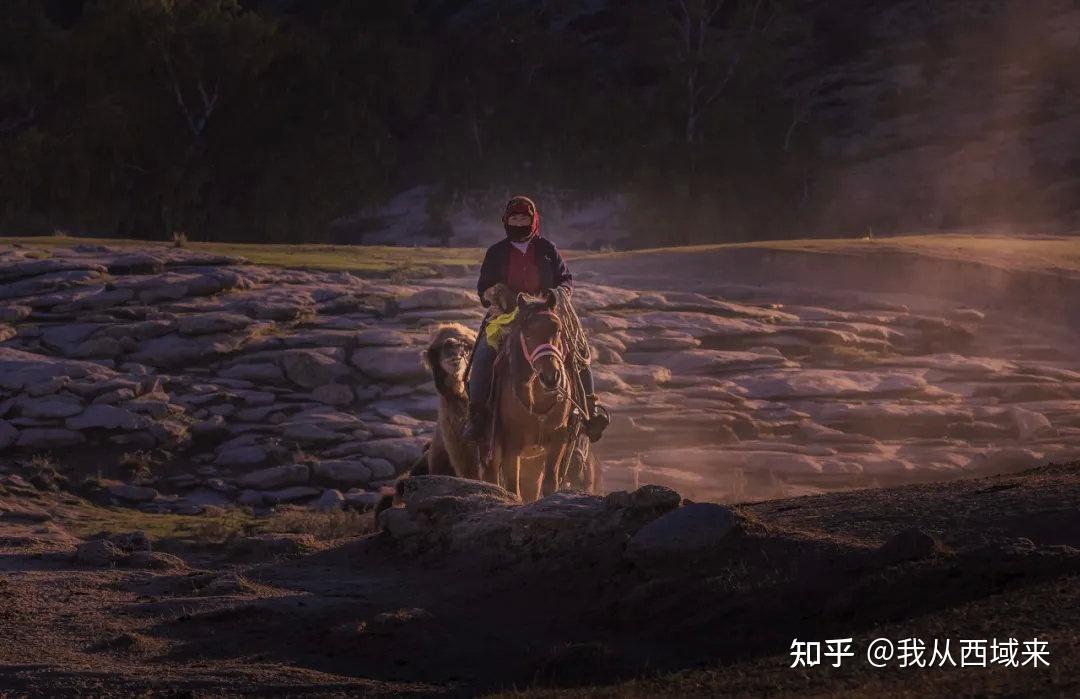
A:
180	103
733	66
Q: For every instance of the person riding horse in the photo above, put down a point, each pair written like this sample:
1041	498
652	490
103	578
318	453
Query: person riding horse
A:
524	262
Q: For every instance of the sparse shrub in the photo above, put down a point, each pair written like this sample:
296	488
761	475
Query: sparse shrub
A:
137	464
179	239
402	274
91	485
42	472
42	461
323	526
218	530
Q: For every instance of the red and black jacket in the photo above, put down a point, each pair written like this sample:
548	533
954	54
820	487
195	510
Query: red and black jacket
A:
544	267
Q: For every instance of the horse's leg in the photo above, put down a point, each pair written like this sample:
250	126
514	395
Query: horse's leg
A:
531	472
550	478
491	470
511	470
596	473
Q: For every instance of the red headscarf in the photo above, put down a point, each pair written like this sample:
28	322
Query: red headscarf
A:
522	205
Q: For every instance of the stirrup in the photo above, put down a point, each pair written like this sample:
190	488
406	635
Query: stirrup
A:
476	425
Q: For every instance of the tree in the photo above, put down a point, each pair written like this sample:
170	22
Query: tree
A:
711	41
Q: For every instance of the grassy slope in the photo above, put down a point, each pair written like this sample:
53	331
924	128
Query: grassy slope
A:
1046	254
371	259
1057	254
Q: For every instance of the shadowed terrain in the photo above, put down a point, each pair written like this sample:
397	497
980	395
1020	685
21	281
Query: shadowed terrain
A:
467	592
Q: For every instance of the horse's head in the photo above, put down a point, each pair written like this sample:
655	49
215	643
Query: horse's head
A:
540	338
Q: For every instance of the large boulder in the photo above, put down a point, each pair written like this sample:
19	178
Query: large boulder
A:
330	501
291	494
210	323
686	533
23	370
99	553
48	438
131	493
98	348
438	298
1029	424
252	455
108	417
455	513
400	451
390	364
8	434
276	477
310	433
416	490
380	337
50	407
342	472
179	350
333	394
258	372
312	368
912	544
14	314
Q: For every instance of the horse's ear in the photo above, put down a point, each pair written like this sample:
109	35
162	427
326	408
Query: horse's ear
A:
522	303
551	299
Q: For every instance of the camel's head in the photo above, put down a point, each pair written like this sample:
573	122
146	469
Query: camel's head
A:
447	356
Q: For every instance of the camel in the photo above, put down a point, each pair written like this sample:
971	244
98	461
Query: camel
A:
446	357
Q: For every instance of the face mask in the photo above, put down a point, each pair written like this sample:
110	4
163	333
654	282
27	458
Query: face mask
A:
518	234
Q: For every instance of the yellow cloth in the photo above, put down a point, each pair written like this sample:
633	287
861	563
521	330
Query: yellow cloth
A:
497	326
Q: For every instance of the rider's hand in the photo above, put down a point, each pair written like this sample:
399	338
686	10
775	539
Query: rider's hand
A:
500	297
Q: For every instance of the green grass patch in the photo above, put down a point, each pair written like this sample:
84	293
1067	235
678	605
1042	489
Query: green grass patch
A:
91	520
363	259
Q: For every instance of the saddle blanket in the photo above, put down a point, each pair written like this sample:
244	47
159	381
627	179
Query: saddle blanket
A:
497	328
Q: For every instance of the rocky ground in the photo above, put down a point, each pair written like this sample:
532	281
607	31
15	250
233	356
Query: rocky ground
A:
176	380
145	392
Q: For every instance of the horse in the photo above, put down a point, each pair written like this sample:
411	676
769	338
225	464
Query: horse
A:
532	403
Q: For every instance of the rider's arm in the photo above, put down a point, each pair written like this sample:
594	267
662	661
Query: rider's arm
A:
489	275
562	275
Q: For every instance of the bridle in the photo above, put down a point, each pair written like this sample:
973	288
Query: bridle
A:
546	349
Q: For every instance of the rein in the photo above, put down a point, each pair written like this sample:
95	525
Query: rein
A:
546	349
